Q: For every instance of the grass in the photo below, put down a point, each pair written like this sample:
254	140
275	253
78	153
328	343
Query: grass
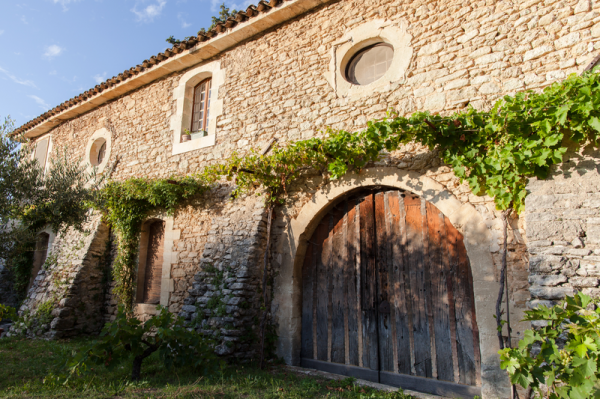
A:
25	363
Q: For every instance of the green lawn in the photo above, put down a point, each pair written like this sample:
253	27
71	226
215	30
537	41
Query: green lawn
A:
24	364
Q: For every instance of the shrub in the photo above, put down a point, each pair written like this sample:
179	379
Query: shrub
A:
563	355
7	313
129	338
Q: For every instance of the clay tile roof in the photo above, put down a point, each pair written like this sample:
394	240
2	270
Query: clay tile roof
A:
241	17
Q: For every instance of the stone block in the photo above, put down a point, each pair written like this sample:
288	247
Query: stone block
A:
60	324
567	40
592	292
537	52
546	280
582	6
580	282
544	292
239	286
580	252
188	308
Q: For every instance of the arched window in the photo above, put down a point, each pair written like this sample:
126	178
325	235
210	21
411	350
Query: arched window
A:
151	262
201	107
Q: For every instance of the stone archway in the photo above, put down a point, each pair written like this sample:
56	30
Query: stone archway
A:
477	240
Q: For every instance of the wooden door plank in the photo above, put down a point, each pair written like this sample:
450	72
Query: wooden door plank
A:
323	276
464	317
451	258
414	233
338	346
352	300
359	283
392	239
386	349
368	286
154	262
308	271
475	327
403	325
427	286
439	294
347	281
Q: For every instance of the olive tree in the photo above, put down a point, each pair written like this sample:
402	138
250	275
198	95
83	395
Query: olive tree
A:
30	199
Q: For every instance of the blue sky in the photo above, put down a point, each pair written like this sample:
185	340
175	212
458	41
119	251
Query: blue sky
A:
53	50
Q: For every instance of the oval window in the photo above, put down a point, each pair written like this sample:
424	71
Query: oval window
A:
98	152
370	64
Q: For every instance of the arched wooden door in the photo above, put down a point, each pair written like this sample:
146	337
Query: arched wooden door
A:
388	297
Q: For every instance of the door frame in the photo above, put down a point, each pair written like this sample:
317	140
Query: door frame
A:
287	301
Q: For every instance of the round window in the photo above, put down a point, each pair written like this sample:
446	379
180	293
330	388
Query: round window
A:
370	64
98	152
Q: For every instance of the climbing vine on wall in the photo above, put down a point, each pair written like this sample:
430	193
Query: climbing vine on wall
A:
126	204
495	151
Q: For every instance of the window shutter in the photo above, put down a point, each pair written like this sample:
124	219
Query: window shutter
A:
201	106
41	152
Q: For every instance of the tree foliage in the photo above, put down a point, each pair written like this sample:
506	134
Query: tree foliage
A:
31	199
224	13
7	313
563	354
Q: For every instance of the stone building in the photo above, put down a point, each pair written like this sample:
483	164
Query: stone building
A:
282	70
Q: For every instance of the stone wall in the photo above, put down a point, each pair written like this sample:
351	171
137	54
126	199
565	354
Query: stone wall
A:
67	296
563	229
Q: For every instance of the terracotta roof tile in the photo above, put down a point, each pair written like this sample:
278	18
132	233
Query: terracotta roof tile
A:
240	17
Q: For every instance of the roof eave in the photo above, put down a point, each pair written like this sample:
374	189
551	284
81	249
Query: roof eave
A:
202	51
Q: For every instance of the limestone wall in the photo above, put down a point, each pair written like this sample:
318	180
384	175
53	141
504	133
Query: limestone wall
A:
66	298
563	229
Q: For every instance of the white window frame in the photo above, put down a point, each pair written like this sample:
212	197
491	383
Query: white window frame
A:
367	34
183	94
167	285
105	134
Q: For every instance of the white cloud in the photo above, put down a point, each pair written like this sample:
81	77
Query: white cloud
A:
53	50
1	32
184	24
100	78
24	20
64	3
148	13
17	80
40	102
52	73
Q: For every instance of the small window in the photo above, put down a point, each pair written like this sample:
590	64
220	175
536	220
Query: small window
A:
201	107
98	152
41	153
370	64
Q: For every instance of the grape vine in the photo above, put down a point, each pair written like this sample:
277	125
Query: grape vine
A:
494	151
